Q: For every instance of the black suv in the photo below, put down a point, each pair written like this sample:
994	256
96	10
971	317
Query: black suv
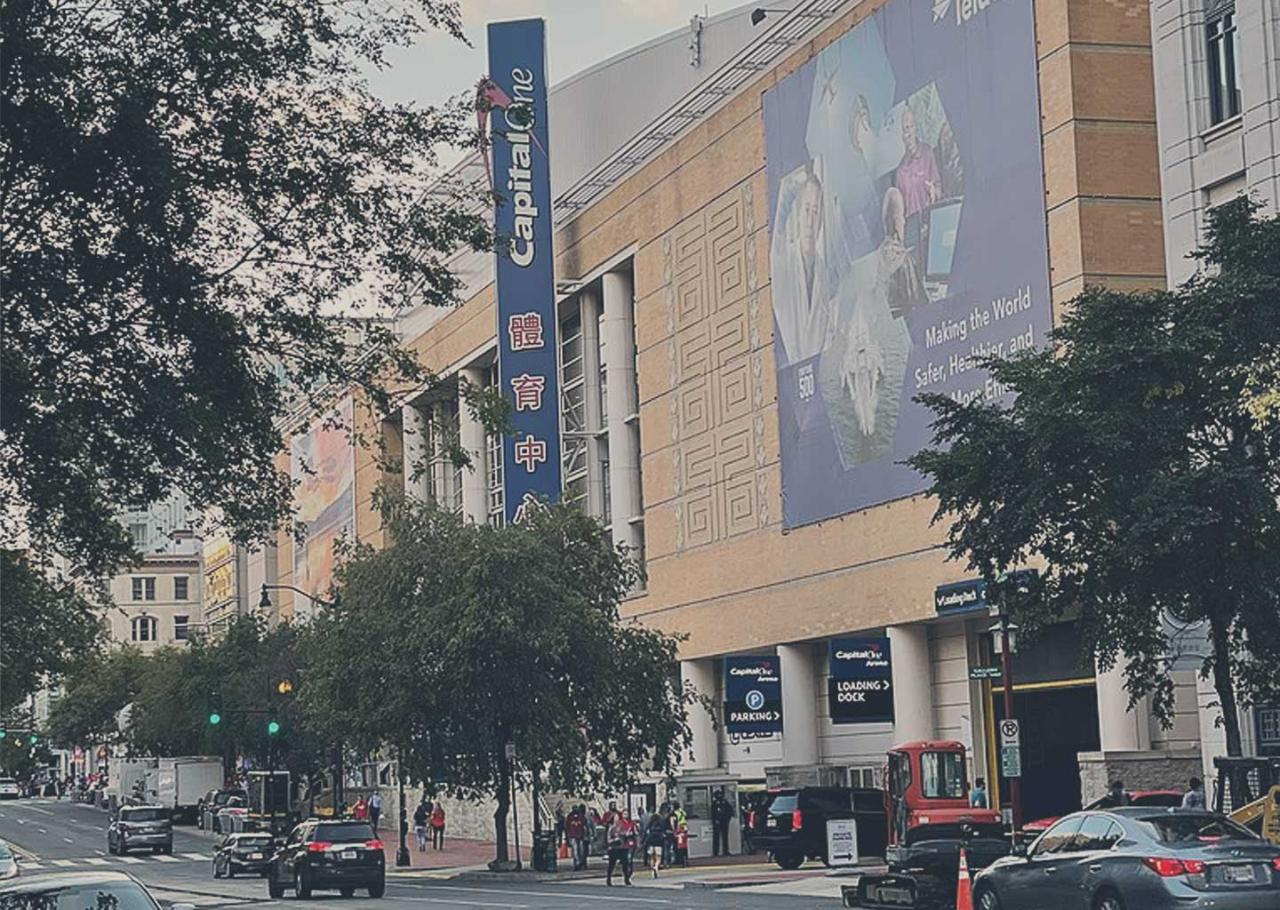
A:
244	852
792	824
329	855
146	827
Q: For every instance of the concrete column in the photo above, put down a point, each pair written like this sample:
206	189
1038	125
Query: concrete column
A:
475	479
618	328
704	753
417	454
1119	729
799	704
441	468
589	313
912	679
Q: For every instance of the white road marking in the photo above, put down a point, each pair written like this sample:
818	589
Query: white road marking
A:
63	862
559	894
68	840
96	861
459	902
131	860
199	856
44	830
30	865
166	859
37	809
22	821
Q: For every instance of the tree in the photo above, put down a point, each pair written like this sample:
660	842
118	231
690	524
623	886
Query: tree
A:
46	625
96	691
467	639
208	220
1128	464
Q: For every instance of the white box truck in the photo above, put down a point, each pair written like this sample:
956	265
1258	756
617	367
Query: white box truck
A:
126	777
182	782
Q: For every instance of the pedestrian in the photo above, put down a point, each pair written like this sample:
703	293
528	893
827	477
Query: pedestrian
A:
360	811
437	826
560	818
375	809
978	795
721	816
610	815
669	840
420	817
1115	797
1194	798
622	842
682	844
575	829
655	841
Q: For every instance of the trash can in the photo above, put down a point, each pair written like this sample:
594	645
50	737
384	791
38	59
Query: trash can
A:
544	851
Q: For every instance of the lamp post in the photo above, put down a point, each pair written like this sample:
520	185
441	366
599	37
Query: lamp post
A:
1005	644
402	854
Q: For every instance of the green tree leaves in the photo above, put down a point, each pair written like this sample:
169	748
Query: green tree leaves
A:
1131	464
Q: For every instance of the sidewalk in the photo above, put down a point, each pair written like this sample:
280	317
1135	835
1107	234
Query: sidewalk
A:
459	855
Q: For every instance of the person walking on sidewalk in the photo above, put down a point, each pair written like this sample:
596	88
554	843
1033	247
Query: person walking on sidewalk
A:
360	811
375	810
421	816
655	840
622	842
721	816
437	826
575	829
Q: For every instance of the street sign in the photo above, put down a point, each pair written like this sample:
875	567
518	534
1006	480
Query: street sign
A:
753	694
1010	748
985	672
860	688
842	842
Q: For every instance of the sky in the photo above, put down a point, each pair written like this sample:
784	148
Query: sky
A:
580	33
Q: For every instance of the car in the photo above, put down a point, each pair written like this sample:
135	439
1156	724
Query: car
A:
1146	798
245	852
791	823
8	862
1135	858
79	890
9	788
322	855
140	827
213	802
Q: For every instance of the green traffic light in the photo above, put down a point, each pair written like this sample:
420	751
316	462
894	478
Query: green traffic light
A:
273	728
34	738
215	718
3	733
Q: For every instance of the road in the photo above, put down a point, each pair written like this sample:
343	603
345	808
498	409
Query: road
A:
54	836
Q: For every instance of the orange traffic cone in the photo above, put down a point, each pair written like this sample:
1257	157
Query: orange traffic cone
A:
964	889
564	850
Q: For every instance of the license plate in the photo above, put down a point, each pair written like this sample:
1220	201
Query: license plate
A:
771	822
348	854
1238	874
255	856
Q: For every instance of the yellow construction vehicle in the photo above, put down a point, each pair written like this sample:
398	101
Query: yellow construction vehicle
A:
1262	815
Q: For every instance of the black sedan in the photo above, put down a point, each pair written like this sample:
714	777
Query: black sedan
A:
1136	859
329	855
246	852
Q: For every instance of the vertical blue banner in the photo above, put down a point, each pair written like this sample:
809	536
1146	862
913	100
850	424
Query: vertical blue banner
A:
527	330
753	694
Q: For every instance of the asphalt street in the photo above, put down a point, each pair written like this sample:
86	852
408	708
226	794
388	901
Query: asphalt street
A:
54	836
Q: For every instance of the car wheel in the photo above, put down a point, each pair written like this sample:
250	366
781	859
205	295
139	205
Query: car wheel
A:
986	899
301	884
347	892
1108	900
274	889
788	859
379	889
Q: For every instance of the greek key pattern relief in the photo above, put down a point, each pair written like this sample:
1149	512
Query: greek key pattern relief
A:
709	262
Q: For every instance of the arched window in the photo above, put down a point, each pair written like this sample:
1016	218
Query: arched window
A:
144	628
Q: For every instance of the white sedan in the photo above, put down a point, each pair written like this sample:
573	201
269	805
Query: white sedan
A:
9	788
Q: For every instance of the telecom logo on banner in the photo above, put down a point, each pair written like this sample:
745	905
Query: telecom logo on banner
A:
753	694
517	93
860	690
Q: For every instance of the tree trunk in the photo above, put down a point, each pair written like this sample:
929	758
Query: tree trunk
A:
500	814
1223	684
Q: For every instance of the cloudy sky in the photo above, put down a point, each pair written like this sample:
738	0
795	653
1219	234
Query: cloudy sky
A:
579	34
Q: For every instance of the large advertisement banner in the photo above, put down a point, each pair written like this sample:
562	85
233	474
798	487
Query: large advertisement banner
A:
324	468
752	694
907	239
527	329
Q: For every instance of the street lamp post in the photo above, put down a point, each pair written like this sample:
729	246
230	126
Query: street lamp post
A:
1006	648
402	854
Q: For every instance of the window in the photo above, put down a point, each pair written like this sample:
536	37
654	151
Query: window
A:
180	628
1269	726
942	775
1224	66
1059	838
143	628
180	587
143	588
447	476
1191	828
573	397
1097	833
138	531
493	467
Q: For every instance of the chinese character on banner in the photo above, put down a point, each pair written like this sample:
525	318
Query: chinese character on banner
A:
525	330
528	503
528	391
530	451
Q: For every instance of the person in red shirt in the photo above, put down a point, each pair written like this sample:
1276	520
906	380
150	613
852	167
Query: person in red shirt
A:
575	830
360	811
622	844
437	826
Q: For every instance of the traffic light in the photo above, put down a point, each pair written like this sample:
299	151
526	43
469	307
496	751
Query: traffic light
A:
215	708
34	739
273	727
3	733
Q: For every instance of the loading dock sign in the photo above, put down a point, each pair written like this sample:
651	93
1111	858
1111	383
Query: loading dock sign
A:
860	690
752	694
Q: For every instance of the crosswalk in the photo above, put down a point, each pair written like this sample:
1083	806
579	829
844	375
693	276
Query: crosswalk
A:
89	862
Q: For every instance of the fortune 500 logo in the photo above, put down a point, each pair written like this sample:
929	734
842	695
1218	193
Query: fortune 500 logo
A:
965	9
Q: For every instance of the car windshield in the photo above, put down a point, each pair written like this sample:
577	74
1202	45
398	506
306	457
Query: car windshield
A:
7	780
344	832
142	815
1184	829
253	842
100	896
4	851
942	775
784	803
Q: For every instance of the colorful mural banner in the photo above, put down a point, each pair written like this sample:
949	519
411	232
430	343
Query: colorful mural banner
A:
323	466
